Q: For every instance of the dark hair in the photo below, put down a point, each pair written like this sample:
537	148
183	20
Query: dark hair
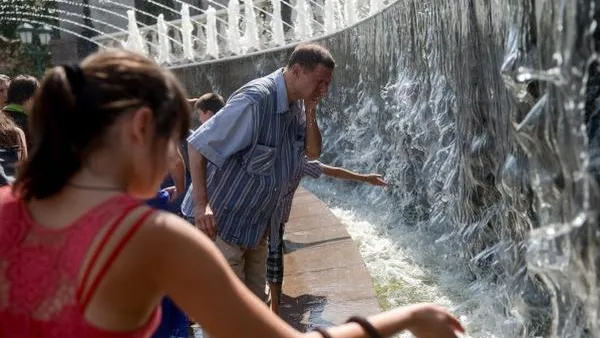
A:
69	122
210	101
21	89
311	55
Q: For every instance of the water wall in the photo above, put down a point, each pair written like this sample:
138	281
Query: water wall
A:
483	116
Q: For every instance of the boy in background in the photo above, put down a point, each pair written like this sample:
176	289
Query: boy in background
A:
205	107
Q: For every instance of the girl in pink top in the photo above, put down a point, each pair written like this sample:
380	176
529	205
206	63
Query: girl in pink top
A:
82	256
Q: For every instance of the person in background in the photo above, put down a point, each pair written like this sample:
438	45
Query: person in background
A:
83	256
205	107
19	100
4	83
275	265
174	323
13	146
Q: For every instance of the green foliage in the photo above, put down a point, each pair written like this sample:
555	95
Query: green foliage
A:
27	9
16	58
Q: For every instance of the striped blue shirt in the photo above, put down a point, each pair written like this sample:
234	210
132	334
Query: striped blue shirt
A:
307	168
252	144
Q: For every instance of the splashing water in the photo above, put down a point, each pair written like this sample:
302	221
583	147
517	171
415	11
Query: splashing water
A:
134	38
375	6
186	32
164	50
497	171
350	11
233	33
302	22
277	23
212	48
485	117
330	23
252	42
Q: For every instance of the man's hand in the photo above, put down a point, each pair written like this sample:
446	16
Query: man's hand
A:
205	221
310	106
376	179
313	141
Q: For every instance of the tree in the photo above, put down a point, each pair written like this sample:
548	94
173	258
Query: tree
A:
12	14
26	9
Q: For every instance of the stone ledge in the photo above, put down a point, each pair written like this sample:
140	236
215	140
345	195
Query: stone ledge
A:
326	280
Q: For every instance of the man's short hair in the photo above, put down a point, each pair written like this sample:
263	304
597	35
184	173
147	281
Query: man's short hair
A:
210	101
21	89
311	55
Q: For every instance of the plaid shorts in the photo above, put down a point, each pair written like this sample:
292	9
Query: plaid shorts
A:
275	260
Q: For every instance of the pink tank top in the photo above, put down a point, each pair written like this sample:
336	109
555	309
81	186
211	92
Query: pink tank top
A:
41	294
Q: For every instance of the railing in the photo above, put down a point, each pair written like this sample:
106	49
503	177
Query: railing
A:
237	29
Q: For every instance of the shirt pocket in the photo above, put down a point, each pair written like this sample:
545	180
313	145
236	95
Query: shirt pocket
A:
260	160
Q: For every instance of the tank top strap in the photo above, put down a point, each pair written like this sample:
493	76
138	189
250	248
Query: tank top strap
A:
111	229
90	282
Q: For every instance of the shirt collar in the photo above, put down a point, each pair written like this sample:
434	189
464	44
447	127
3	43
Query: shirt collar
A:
282	99
14	108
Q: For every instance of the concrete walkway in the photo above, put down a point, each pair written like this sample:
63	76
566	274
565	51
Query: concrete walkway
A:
326	280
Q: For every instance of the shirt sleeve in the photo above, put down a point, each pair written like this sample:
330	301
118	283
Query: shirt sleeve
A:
226	133
311	168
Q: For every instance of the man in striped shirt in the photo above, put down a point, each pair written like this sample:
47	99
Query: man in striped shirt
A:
254	144
313	169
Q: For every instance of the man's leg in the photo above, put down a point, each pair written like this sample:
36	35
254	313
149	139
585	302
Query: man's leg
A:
275	272
235	257
255	269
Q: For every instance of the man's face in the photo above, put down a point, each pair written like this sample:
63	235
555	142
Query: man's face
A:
314	83
3	92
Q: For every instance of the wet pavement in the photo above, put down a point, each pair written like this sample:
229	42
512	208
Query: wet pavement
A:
326	280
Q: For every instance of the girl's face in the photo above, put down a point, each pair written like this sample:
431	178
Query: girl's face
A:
146	156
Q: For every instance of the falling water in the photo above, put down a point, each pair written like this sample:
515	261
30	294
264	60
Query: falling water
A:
134	39
19	11
20	19
330	24
113	16
233	22
485	117
302	21
277	23
29	10
375	6
251	32
164	50
186	32
212	48
339	14
350	11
